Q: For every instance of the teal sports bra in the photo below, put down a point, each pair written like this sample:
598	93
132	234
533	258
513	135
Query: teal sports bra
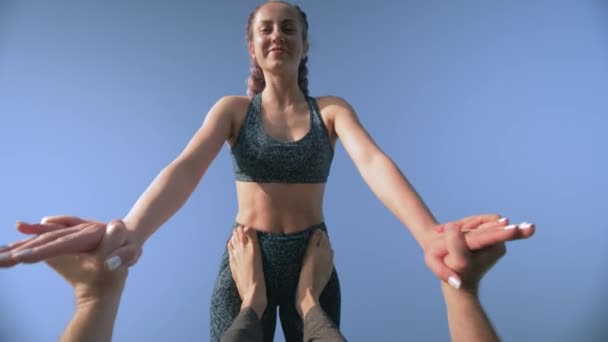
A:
258	157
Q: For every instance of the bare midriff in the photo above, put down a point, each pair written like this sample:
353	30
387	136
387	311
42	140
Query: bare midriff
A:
278	207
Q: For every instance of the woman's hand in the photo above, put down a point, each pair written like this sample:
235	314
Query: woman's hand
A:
61	235
98	278
474	222
99	273
481	232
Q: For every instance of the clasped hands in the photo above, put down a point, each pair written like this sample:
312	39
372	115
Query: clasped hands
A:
79	249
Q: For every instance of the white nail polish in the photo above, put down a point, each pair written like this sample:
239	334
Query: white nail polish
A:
22	253
503	220
511	226
5	256
524	225
113	262
455	283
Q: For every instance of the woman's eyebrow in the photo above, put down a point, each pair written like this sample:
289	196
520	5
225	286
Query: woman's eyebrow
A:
284	21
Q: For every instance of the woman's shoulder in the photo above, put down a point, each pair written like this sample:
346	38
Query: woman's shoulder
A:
234	101
330	100
232	105
333	104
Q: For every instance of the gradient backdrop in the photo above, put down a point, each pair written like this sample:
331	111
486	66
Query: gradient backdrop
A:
486	106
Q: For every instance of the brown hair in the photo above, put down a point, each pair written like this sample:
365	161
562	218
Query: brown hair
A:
256	82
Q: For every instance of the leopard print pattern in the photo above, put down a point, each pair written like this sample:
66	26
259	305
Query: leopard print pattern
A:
257	157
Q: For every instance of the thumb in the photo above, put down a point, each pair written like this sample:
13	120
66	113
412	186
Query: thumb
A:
434	258
455	241
123	256
115	236
65	220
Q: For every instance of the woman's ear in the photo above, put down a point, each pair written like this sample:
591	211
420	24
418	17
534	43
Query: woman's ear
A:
251	50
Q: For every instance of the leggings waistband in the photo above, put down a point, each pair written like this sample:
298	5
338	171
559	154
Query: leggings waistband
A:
303	234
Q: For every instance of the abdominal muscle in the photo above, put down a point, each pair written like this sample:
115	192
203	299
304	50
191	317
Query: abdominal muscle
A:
279	208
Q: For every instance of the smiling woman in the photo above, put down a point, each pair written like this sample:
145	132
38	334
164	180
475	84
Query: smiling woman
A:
293	42
444	91
282	145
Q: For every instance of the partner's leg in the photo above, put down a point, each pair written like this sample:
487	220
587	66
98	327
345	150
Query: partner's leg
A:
226	304
295	328
246	269
317	298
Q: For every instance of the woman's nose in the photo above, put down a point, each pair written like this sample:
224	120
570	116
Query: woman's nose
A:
277	36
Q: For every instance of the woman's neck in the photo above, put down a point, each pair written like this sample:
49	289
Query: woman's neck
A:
283	92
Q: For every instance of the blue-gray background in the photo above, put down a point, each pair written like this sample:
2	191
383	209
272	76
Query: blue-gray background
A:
486	106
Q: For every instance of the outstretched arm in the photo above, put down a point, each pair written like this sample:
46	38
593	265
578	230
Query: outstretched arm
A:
159	202
172	187
380	173
389	184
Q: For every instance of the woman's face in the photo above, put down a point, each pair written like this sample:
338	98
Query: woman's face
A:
276	38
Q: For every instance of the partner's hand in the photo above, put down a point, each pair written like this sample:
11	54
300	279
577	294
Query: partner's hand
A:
60	235
470	265
485	235
98	273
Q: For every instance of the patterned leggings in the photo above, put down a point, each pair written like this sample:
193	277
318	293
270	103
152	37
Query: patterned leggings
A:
282	259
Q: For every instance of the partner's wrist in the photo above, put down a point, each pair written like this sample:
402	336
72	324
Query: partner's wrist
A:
99	293
89	301
466	291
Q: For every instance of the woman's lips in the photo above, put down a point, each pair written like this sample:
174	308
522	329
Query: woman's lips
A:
280	50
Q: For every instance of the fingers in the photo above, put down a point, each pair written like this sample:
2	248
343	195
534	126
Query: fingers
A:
472	222
66	241
481	239
51	223
38	228
65	220
491	225
46	238
15	245
6	252
525	230
121	256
